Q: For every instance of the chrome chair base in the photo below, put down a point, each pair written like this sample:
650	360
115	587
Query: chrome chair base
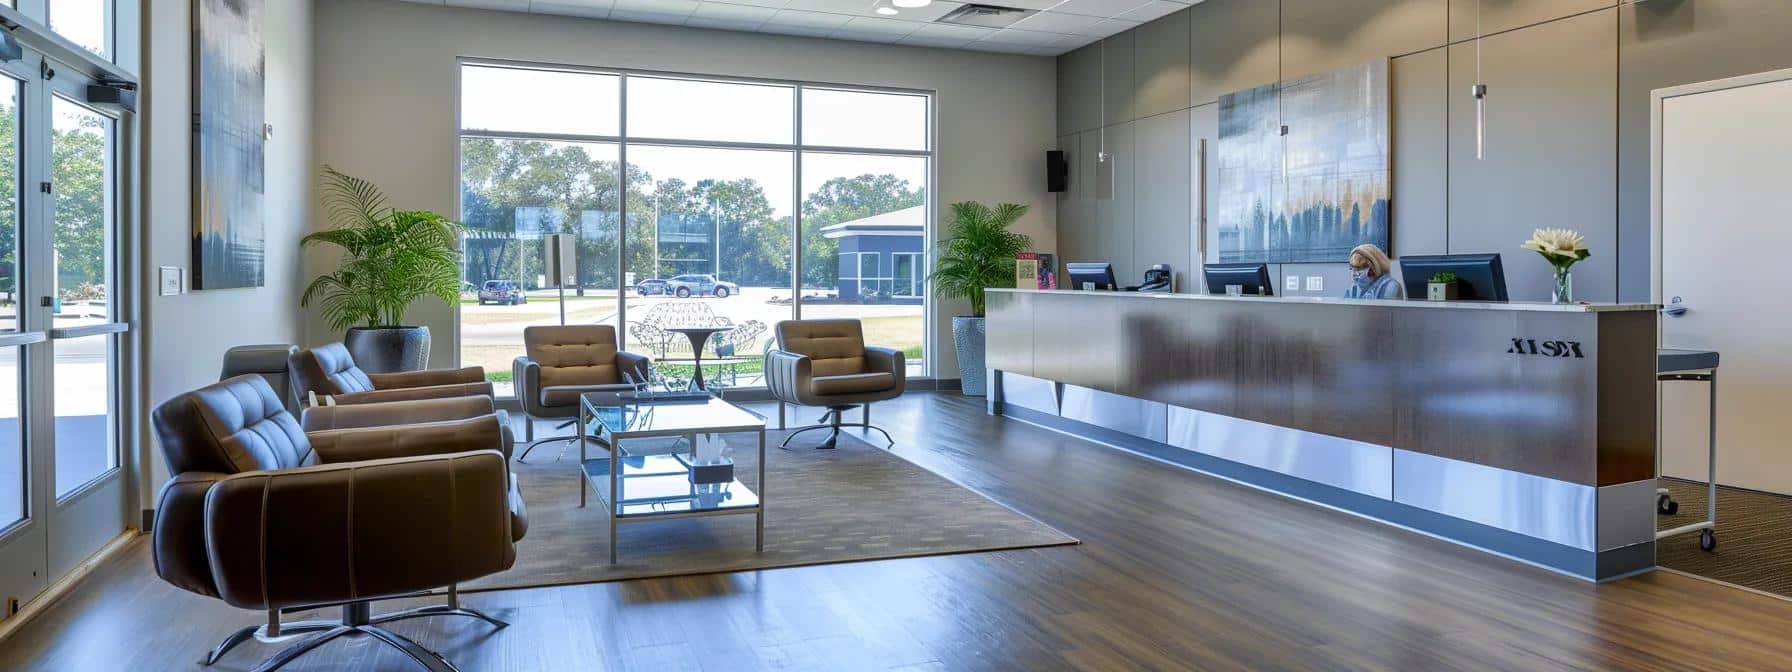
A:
357	619
831	421
531	443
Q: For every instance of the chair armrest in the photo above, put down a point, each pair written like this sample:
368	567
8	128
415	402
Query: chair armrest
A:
336	446
787	375
327	533
639	366
381	413
427	378
888	360
525	374
178	536
414	393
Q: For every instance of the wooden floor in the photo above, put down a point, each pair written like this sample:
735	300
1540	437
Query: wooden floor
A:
1177	571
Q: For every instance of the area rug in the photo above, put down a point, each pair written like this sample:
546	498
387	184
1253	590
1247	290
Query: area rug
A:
854	503
1754	537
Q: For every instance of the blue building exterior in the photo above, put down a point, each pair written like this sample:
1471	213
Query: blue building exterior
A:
882	257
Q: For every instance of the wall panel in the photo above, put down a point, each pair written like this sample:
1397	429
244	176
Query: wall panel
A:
1161	65
1113	235
1503	15
1232	46
1079	99
1325	35
1421	91
1161	199
1118	92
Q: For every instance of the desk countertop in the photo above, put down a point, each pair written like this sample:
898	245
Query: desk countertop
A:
1316	300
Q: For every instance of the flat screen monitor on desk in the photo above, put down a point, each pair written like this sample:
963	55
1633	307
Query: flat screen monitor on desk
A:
1253	278
1479	277
1091	275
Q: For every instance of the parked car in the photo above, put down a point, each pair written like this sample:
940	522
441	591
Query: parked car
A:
502	292
652	287
701	284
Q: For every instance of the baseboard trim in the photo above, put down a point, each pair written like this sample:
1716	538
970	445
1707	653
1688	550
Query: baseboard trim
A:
63	586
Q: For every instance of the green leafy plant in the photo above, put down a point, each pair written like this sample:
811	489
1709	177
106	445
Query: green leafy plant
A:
978	252
390	257
1443	277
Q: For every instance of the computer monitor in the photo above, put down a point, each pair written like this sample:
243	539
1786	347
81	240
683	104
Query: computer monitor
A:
1479	277
1091	274
1254	278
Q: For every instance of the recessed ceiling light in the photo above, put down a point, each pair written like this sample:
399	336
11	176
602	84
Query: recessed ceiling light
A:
911	4
887	11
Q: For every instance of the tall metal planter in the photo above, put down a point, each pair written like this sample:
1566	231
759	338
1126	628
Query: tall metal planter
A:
967	336
388	349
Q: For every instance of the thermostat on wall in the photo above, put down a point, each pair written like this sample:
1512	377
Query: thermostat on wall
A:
172	280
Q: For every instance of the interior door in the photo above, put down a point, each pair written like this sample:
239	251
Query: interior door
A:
24	568
1723	243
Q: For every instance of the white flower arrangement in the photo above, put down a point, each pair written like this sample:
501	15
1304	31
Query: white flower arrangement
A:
1561	247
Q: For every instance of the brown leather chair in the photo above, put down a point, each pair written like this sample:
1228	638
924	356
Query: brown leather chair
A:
264	515
563	362
826	363
330	370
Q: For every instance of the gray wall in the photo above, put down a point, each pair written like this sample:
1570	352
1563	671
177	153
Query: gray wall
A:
1567	120
386	74
185	336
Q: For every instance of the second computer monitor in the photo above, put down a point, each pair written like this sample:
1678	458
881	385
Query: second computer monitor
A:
1097	275
1254	278
1479	277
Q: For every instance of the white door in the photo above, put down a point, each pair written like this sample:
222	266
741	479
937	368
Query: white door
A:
1724	165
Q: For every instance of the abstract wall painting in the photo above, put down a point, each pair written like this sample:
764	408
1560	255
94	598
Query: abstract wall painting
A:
1303	168
229	71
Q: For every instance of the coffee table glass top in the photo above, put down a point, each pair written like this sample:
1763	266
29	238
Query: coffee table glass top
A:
667	418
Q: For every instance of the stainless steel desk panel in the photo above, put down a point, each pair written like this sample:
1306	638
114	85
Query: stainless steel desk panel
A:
1029	392
1341	463
1548	509
1138	417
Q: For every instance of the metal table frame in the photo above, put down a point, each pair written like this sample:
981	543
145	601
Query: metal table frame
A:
614	440
1706	528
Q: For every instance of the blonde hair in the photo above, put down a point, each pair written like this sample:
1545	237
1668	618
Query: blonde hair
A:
1368	255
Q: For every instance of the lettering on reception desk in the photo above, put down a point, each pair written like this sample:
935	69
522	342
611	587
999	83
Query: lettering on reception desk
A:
1530	346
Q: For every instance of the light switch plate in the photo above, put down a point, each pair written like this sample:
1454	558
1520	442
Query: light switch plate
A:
1315	283
171	280
1292	283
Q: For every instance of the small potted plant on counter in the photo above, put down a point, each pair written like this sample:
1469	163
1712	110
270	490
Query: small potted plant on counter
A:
1441	287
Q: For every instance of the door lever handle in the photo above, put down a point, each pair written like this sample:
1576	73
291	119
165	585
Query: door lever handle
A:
1675	308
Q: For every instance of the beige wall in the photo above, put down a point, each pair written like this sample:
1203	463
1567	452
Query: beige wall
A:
185	336
385	110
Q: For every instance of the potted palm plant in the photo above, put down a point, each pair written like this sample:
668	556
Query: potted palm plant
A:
977	253
390	258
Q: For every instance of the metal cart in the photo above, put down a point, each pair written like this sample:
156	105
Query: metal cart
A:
1692	366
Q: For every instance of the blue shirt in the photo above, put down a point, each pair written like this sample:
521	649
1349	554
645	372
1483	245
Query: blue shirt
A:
1382	287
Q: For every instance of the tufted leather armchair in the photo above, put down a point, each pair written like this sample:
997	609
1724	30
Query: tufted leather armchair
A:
826	363
264	515
330	370
564	362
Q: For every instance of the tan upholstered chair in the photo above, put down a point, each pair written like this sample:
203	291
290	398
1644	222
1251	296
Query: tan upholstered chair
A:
264	515
330	370
563	362
826	363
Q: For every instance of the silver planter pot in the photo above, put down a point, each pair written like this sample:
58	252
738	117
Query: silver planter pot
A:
967	335
388	349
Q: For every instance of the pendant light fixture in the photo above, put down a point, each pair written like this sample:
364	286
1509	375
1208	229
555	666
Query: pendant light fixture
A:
1479	92
1104	162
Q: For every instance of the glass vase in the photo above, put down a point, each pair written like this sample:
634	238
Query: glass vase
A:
1564	287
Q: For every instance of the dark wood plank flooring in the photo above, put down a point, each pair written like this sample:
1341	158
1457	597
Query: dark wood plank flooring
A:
1177	571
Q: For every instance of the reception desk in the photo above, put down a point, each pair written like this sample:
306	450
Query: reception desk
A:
1526	430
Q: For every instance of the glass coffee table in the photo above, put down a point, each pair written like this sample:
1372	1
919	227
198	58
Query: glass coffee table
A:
646	487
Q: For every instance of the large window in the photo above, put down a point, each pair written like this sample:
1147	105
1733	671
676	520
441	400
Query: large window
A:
692	216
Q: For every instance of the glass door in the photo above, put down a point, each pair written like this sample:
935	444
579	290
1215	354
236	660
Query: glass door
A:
62	491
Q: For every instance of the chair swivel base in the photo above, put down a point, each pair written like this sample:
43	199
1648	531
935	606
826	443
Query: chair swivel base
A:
832	422
570	440
357	619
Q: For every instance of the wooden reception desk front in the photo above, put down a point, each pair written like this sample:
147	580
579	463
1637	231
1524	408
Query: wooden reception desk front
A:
1522	429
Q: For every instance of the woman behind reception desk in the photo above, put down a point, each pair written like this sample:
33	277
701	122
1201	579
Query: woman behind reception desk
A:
1371	275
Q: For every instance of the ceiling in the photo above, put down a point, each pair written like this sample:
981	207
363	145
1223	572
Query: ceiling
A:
1058	27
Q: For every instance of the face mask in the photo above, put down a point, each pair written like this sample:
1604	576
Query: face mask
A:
1360	276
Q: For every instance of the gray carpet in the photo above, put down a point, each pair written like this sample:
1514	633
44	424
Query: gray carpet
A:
851	504
1754	537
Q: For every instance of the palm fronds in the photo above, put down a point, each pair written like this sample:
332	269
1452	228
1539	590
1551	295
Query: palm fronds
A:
390	257
978	252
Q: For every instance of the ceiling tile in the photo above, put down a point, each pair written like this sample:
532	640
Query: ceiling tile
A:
729	17
1101	8
669	7
1028	38
594	9
942	35
852	7
805	31
890	27
1153	10
929	13
1057	22
773	4
1105	28
510	5
812	22
1026	4
1001	47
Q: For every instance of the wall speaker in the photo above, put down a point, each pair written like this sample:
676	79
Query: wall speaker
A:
1057	171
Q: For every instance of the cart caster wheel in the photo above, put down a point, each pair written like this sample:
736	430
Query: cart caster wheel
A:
1666	505
1707	540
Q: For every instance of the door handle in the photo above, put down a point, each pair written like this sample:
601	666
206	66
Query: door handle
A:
22	338
89	330
1675	308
